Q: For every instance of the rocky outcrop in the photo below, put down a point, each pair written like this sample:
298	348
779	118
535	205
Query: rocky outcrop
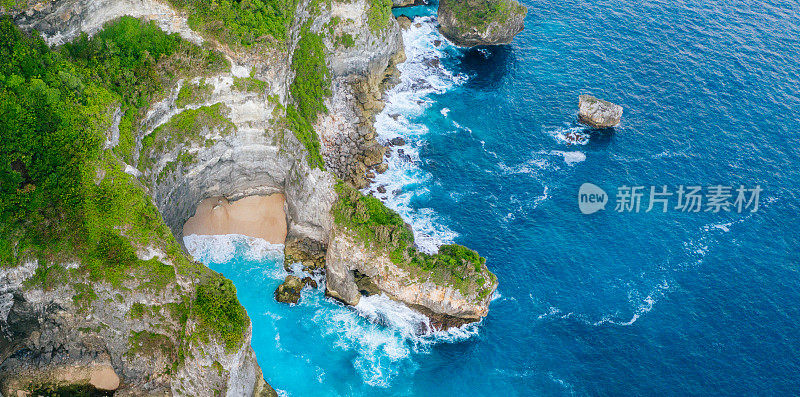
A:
598	113
354	269
360	75
130	338
289	290
469	23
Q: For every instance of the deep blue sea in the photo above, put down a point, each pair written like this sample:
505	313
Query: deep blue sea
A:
647	303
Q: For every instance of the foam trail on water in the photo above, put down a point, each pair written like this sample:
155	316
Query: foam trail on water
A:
422	74
222	248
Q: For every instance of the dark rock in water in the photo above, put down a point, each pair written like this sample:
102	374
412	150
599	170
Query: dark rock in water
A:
381	189
365	284
394	116
433	62
308	281
381	168
598	113
289	291
404	22
437	42
469	23
397	141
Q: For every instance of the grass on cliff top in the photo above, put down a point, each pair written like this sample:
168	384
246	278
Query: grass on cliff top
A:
379	14
139	62
240	22
220	312
309	89
63	198
480	13
377	226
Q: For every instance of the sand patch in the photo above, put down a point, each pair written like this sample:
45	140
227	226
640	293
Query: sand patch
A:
254	216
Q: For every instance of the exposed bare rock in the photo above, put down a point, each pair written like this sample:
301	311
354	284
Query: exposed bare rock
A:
598	113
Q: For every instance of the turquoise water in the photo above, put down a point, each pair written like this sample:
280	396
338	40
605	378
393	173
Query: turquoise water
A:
608	303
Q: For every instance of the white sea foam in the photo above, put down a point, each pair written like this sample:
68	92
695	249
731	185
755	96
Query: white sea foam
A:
444	111
570	158
422	74
222	248
570	135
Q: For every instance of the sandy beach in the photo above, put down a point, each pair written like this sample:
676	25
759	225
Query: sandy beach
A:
254	216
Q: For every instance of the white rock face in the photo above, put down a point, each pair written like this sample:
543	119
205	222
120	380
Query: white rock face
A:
598	113
62	21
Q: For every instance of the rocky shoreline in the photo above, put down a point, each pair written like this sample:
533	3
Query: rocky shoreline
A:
241	147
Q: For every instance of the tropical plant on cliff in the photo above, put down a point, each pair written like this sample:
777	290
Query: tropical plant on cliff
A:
378	227
63	196
240	22
309	89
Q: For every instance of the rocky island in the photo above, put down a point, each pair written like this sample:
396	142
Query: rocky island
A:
469	23
122	116
598	113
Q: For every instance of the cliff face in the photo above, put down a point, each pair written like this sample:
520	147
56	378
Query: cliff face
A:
73	330
148	332
348	260
469	23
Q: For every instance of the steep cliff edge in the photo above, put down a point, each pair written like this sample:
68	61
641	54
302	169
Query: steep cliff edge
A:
94	286
371	244
469	23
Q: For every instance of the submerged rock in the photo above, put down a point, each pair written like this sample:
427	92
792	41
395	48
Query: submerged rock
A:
404	21
598	113
289	291
469	23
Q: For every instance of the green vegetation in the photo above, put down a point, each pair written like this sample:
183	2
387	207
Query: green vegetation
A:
136	61
240	22
148	343
309	89
194	92
64	198
379	14
379	227
249	84
185	128
346	40
481	13
220	312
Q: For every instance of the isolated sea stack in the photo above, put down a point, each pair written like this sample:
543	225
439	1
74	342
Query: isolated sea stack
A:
469	23
598	113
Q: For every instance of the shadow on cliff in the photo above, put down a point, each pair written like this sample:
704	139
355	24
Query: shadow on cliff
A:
486	65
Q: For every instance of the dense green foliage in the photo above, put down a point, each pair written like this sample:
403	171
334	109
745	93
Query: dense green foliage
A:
240	22
63	197
135	60
309	89
380	227
219	310
379	14
481	13
193	92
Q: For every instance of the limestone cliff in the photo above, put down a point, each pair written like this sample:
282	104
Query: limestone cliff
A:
225	130
469	23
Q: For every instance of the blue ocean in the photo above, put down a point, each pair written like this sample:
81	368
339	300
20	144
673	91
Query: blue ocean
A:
611	303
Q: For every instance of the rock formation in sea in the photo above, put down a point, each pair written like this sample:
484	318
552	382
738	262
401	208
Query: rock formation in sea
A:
233	128
469	23
598	113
